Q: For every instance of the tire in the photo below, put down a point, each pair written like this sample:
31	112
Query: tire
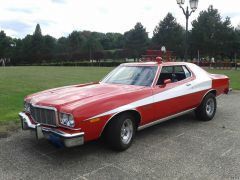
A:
119	134
207	109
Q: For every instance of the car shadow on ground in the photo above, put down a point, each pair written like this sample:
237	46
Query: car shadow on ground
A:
98	148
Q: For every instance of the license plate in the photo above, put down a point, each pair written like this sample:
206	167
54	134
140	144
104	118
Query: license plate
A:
56	140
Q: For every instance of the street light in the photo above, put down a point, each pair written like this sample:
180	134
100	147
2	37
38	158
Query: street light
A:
187	13
163	49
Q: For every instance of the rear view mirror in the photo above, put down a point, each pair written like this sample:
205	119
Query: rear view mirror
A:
167	81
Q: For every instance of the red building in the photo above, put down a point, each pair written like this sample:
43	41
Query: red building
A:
152	54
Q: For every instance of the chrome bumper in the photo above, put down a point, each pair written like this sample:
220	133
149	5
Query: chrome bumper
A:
54	135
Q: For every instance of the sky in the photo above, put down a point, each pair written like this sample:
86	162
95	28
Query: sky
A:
60	17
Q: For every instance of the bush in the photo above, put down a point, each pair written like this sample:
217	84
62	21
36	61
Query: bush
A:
95	64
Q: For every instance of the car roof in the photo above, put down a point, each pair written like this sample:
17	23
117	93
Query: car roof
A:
153	63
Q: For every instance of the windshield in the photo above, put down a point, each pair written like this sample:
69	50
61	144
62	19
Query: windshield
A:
132	75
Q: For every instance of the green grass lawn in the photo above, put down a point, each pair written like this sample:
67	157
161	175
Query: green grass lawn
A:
17	82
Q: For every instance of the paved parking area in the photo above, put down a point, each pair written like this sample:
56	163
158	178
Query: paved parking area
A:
182	148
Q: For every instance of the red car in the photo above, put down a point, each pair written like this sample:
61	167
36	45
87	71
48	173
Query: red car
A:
132	97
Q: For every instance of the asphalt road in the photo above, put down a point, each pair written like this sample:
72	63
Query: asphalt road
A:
182	148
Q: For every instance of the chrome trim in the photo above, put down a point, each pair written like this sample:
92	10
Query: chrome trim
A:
157	75
164	119
67	127
25	102
49	108
44	107
26	120
188	70
61	133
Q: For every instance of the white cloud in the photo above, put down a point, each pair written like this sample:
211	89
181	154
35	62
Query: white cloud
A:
59	17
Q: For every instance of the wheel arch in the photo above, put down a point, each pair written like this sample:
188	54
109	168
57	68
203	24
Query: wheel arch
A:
213	91
136	114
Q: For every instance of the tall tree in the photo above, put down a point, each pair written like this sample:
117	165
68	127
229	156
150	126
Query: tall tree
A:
4	44
136	40
37	45
211	35
38	31
170	34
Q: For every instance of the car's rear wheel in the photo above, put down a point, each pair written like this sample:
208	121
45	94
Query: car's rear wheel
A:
120	132
207	109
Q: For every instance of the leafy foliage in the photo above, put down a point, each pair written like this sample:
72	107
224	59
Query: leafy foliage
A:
212	35
136	40
170	34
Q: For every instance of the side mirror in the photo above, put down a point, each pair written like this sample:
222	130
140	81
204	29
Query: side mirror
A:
167	81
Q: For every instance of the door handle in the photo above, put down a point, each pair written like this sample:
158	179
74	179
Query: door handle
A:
188	84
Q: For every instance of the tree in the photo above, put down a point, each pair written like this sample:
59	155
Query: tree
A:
211	35
49	47
76	41
136	40
92	43
36	45
38	31
112	41
236	43
170	34
5	45
62	45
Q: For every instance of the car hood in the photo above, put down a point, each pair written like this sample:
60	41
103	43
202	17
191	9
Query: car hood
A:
71	94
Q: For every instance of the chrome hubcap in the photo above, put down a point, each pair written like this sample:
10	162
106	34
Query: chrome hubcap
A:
210	106
126	131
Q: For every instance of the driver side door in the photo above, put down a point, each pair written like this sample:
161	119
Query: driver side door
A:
172	98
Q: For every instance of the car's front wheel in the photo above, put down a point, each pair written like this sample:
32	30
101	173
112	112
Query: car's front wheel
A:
120	132
207	108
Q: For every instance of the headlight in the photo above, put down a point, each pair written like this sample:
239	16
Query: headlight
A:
67	120
26	107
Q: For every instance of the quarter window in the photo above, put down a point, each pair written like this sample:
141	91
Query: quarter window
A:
186	71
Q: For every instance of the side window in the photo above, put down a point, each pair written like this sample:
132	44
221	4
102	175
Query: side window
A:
175	73
178	69
167	69
186	71
166	73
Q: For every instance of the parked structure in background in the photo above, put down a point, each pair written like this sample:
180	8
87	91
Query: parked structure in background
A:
152	54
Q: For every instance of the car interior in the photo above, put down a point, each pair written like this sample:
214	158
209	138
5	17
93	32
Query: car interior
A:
174	73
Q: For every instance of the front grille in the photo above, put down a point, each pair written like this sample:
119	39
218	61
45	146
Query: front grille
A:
43	115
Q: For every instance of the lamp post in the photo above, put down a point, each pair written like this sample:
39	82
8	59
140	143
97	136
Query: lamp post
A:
163	49
187	13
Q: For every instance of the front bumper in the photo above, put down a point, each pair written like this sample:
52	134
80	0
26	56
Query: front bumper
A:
54	135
